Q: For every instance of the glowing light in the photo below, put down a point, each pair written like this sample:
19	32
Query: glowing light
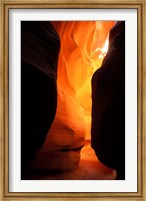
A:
104	49
101	52
100	56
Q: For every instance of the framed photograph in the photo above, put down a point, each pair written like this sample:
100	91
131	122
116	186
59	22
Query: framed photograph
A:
72	100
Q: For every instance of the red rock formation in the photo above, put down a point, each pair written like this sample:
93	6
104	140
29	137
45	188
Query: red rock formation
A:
81	44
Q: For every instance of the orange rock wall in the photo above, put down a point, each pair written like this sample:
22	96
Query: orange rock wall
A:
79	58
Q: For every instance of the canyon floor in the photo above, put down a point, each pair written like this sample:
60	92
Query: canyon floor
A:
89	169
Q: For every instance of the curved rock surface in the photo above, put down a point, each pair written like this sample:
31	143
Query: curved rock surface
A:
108	104
80	46
40	46
71	126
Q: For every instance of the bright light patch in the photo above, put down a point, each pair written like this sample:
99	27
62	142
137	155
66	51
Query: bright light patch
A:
104	49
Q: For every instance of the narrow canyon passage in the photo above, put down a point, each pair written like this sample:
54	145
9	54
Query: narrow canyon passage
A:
80	55
67	145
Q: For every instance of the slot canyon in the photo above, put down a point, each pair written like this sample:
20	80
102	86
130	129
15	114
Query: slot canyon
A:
73	100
